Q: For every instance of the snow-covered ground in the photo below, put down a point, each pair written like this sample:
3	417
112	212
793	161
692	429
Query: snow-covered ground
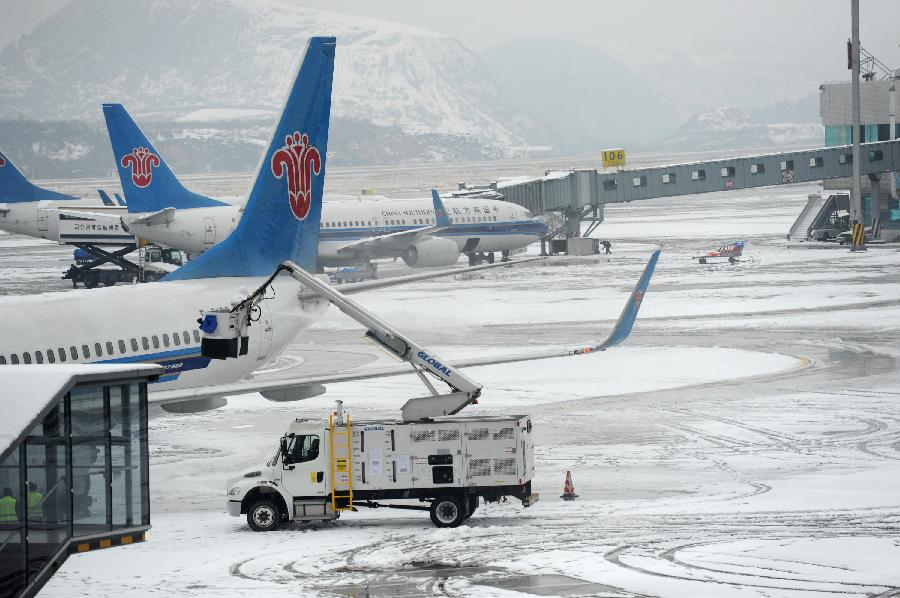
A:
744	442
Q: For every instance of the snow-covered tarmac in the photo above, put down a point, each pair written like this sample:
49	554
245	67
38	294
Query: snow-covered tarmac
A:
744	442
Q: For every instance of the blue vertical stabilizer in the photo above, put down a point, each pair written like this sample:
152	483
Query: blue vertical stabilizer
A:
283	211
15	188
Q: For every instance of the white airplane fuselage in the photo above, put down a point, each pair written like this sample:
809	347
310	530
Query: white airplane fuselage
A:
134	324
41	219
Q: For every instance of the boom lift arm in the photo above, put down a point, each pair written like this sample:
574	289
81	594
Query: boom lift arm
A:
226	336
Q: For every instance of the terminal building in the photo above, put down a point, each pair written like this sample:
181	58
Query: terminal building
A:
74	466
835	107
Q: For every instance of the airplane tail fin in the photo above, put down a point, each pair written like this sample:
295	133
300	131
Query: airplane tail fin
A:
15	188
440	212
284	208
119	199
105	198
147	181
629	314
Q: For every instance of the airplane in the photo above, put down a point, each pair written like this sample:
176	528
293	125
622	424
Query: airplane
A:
107	201
24	207
163	211
156	323
729	251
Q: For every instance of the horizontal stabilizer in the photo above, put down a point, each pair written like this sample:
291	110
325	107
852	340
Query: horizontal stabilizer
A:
164	216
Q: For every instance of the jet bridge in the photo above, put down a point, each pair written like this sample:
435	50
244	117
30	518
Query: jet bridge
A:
581	194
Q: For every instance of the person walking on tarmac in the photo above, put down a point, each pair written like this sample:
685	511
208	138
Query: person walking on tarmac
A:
33	501
606	246
8	515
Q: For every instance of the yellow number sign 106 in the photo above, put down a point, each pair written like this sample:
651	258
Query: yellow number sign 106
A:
613	157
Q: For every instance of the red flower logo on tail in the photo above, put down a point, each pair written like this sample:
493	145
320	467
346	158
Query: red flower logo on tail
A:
2	161
638	297
297	161
142	162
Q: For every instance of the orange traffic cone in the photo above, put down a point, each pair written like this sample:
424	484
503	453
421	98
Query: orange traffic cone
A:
569	488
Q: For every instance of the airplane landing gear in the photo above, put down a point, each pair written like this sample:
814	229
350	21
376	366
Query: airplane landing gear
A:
478	258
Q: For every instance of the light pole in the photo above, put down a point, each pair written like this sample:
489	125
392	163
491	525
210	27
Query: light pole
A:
855	195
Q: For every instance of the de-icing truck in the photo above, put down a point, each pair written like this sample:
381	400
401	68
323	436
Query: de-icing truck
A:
430	458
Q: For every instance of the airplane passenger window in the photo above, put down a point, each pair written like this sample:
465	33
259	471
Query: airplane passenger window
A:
14	359
176	338
73	353
122	348
26	357
98	349
155	342
62	354
187	338
196	337
109	348
39	357
134	345
51	357
85	351
2	360
165	340
145	343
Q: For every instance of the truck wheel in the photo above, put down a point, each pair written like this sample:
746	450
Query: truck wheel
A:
447	511
264	516
90	279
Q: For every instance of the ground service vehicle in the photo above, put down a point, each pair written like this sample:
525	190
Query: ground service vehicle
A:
322	468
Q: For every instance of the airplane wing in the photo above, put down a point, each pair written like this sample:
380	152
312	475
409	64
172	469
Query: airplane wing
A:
618	334
394	243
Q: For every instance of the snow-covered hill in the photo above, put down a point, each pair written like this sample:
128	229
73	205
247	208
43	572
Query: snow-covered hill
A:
729	127
210	60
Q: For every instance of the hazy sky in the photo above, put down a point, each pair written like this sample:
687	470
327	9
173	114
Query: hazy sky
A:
790	46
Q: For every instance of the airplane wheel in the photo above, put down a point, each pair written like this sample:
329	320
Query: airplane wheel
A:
702	260
490	258
731	260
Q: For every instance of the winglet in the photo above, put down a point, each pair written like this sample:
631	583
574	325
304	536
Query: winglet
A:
629	314
440	212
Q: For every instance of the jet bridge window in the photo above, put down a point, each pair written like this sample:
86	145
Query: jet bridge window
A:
758	168
639	181
608	185
787	165
727	171
698	175
876	156
817	162
845	159
668	178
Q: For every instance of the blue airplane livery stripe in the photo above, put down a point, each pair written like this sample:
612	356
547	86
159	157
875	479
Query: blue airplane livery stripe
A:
174	362
463	229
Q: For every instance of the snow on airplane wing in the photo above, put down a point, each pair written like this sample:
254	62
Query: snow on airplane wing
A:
618	334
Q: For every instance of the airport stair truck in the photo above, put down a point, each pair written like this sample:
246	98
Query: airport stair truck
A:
441	463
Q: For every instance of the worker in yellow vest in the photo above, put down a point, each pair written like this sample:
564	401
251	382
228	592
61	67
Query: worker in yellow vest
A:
8	508
33	500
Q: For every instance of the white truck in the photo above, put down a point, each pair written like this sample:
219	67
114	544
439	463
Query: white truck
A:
429	458
322	468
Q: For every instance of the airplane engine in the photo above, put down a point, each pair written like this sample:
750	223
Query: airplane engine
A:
431	252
